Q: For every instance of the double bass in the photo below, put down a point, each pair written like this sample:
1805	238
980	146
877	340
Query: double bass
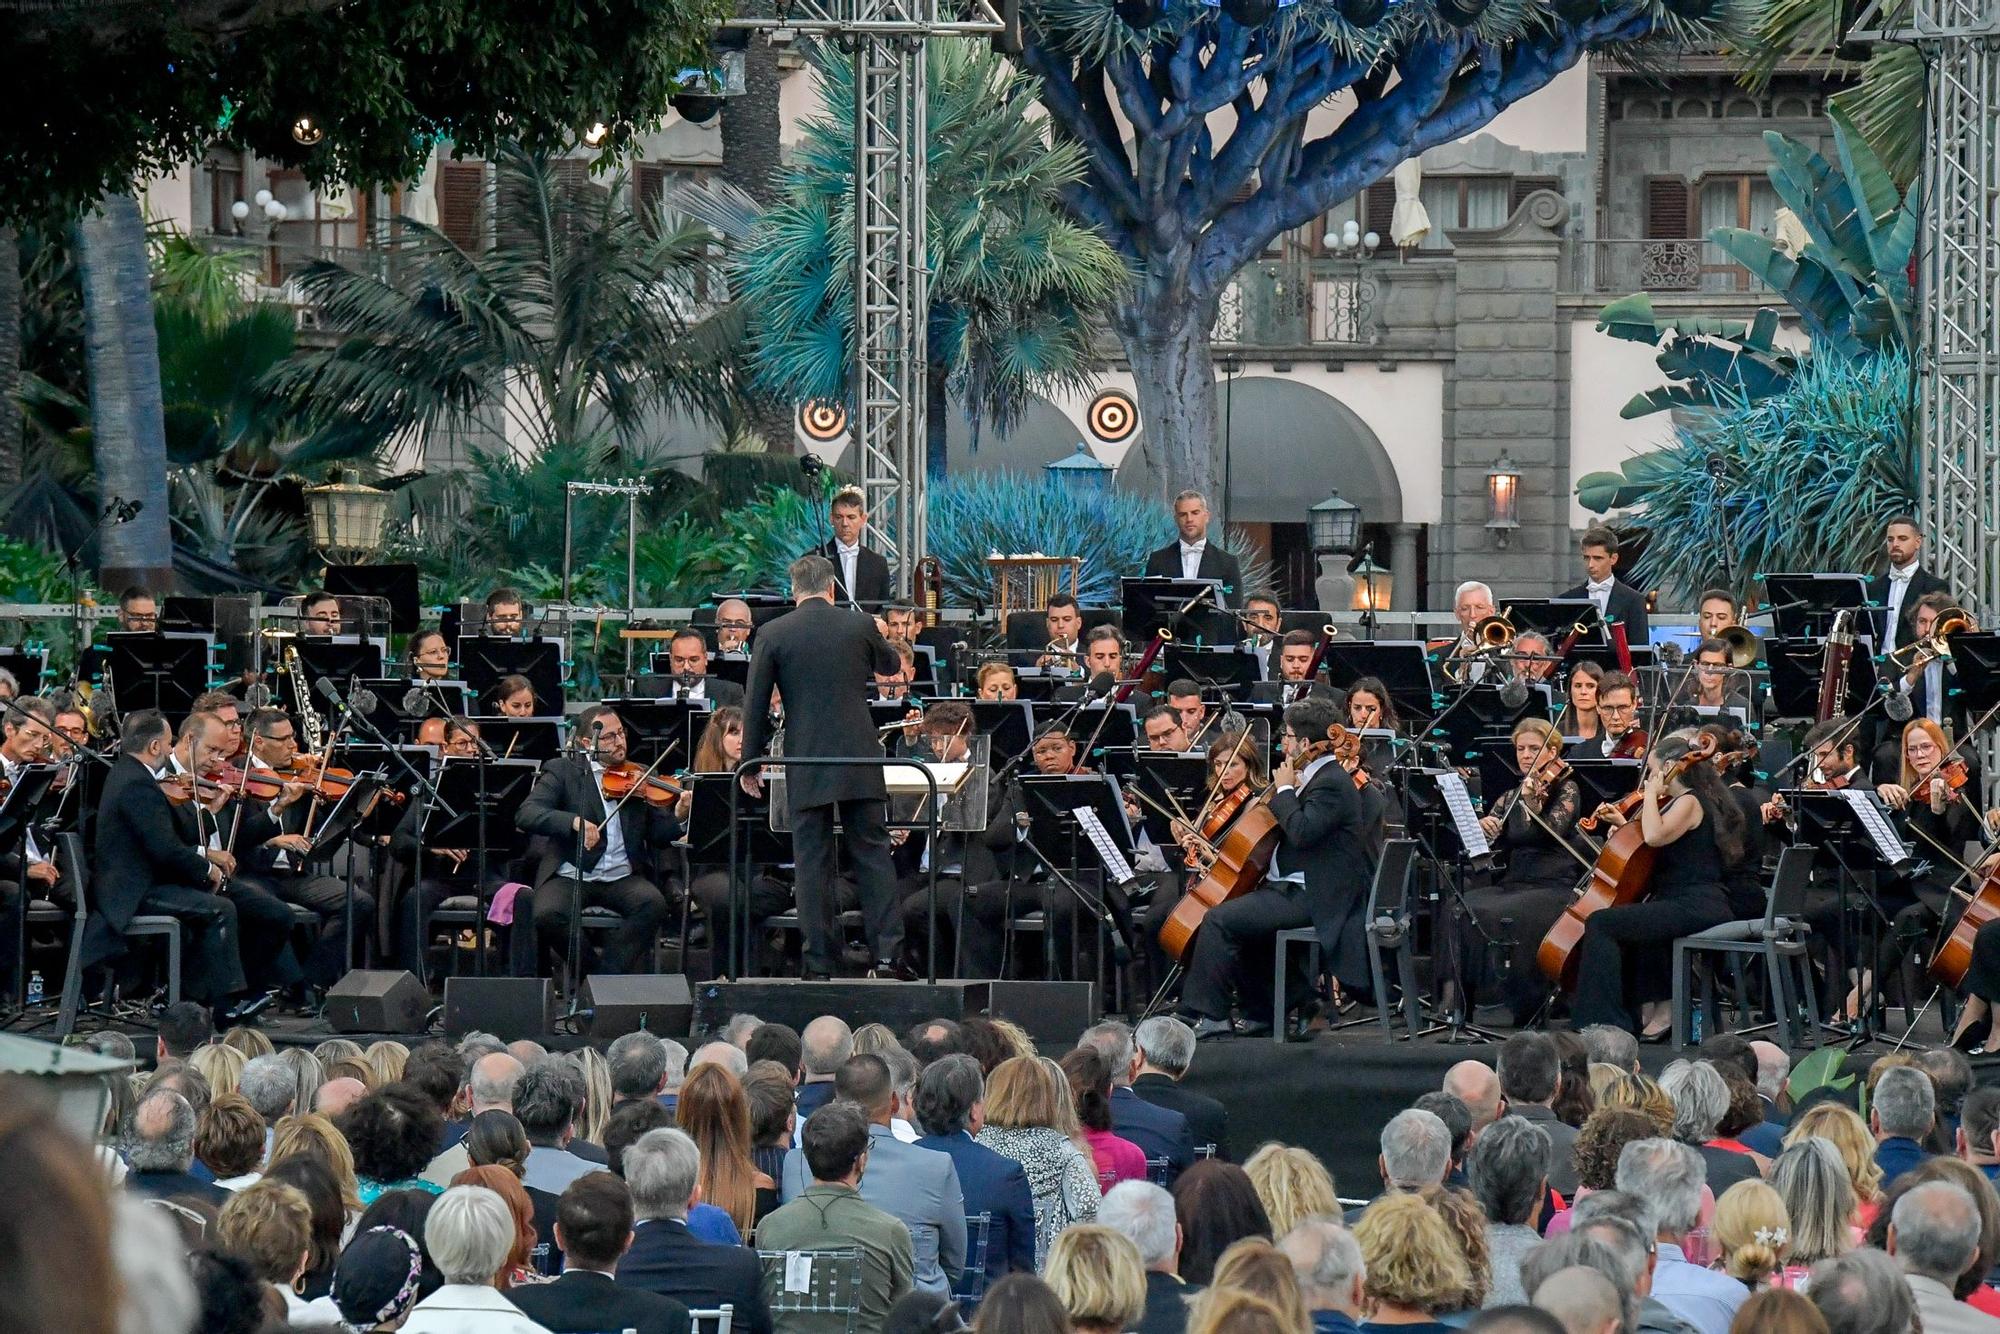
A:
1621	875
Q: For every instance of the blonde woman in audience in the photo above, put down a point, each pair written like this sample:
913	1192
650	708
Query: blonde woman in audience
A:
1256	1266
1025	1110
1849	1134
1817	1191
221	1066
386	1059
338	1049
1416	1266
1467	1222
314	1136
1640	1094
307	1074
1241	1313
250	1041
874	1039
1016	1037
1097	1275
596	1094
1293	1184
270	1225
1751	1235
1602	1077
349	1067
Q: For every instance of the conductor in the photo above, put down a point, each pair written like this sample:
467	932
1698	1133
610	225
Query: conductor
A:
821	659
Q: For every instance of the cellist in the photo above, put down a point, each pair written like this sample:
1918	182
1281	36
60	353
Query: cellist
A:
1319	878
1626	950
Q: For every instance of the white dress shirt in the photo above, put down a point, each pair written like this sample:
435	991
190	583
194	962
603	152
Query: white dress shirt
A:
462	1308
614	864
1899	584
846	556
1191	558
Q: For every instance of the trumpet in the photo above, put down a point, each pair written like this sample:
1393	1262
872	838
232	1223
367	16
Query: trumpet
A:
1922	652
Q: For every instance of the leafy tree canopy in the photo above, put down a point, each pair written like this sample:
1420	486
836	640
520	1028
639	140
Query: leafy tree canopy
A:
104	95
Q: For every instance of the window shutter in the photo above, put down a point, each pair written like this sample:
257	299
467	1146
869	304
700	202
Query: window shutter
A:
1379	209
1667	212
1526	185
461	203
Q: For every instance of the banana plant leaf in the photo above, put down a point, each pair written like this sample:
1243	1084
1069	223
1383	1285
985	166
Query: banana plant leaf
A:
1824	298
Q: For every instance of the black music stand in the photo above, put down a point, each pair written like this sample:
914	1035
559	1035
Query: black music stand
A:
1603	780
158	670
730	667
1225	669
1009	722
1448	852
477	803
1803	605
653	725
1051	801
342	658
1827	822
1403	665
1554	618
1173	779
534	739
1152	602
484	659
1796	668
1481	717
394	584
1101	724
1975	657
1032	683
708	825
29	666
1606	656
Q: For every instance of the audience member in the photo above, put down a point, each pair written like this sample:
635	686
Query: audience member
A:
1611	1045
596	1110
1619	1256
1818	1195
1467	1223
1701	1099
779	1043
469	1234
725	1054
1598	1144
159	1149
1024	1107
1217	1207
662	1169
714	1112
1530	1076
272	1087
1241	1313
1951	1079
307	1072
533	1257
184	1027
496	1139
394	1133
548	1098
1508	1173
1776	1311
772	1091
1447	1108
1021	1304
951	1111
1751	1236
229	1141
985	1042
1843	1128
1144	1213
1256	1266
221	1066
489	1087
830	1214
1574	1101
379	1279
925	1313
1668	1176
824	1047
1971	1285
1415	1270
1514	1319
1159	1131
252	1042
1096	1274
1582	1301
1116	1159
1166	1049
329	1218
315	1137
593	1230
1934	1236
1326	1261
1862	1292
628	1122
337	1095
270	1225
59	1238
1416	1152
1978	1137
1475	1084
1774	1068
233	1300
1901	1112
1292	1184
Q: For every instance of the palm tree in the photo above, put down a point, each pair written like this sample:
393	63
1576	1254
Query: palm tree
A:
1886	105
581	322
128	418
10	357
1017	287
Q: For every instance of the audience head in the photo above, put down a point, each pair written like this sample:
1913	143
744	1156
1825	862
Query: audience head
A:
725	1054
469	1233
1602	1138
773	1098
1475	1084
950	1096
233	1300
548	1098
336	1096
1089	1078
1113	1041
1668	1175
594	1221
322	1195
826	1044
495	1139
1457	1122
1166	1044
1623	1223
160	1135
1605	1258
1258	1267
270	1085
491	1081
1903	1104
1529	1069
1843	1128
921	1312
394	1134
1701	1099
776	1042
1293	1185
835	1142
1095	1272
1019	1304
1862	1292
1574	1100
1612	1046
184	1027
638	1066
1582	1301
439	1071
1751	1232
1020	1095
1467	1223
1144	1213
1934	1231
663	1169
1216	1206
630	1120
1514	1319
1978	1122
379	1278
1412	1259
934	1038
1951	1077
1416	1150
269	1224
1326	1261
985	1042
1778	1311
229	1137
313	1136
1232	1311
1509	1168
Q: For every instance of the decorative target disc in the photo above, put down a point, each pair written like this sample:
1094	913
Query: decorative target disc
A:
823	419
1113	416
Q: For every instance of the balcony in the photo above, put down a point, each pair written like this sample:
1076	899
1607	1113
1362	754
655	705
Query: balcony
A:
1299	303
1616	267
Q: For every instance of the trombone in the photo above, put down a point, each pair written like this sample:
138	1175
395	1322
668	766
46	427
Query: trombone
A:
1923	652
1493	634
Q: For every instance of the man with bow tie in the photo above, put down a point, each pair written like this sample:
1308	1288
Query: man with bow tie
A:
1194	556
1906	582
1615	601
859	575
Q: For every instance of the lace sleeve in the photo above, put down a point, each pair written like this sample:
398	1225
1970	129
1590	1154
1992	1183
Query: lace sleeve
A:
1564	806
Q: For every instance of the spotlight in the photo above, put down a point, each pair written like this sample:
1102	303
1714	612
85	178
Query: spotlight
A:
1461	13
1138	13
306	131
1363	13
594	136
1250	13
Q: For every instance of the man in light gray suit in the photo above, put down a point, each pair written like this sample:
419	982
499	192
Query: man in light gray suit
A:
919	1186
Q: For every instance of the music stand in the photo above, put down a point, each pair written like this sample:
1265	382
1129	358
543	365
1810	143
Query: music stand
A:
158	670
1403	665
1039	686
1603	780
1173	779
477	803
1802	605
484	659
343	658
1223	668
394	584
1975	657
1606	656
1097	725
1827	821
1440	815
24	797
1554	618
1010	723
708	825
534	739
1480	716
1152	602
29	666
651	725
1795	666
1051	802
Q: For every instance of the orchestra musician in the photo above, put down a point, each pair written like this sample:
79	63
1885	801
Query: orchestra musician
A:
439	873
1905	583
1055	751
971	866
1579	716
1715	611
1928	678
820	657
513	697
1293	660
1236	775
901	622
227	710
1164	730
688	679
1939	819
1619	736
1064	621
1624	961
718	751
319	614
138	611
1103	655
506	614
610	861
1615	600
1184	698
1532	827
1263	623
1319	878
1470	604
142	864
430	656
1717	685
893	686
1194	556
27	736
1370	706
859	574
1735	753
997	680
733	625
1530	657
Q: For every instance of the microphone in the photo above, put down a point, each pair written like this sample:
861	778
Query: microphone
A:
257	695
1896	704
362	700
1514	692
413	699
1101	684
327	690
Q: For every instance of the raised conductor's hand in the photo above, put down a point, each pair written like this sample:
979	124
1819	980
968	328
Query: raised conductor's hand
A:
753	782
882	627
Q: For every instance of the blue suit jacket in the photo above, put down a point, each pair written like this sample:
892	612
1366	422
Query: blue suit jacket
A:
1161	1132
997	1186
668	1259
919	1186
1897	1155
1766	1137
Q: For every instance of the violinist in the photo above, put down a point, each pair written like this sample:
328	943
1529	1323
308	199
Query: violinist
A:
29	737
1294	662
996	680
1620	737
1626	949
1733	755
1831	765
274	847
430	656
1318	878
513	697
609	861
1055	752
718	751
1370	708
1531	826
1579	717
1934	796
226	709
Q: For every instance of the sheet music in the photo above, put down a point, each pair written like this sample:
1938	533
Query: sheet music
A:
1463	818
1108	851
1867	808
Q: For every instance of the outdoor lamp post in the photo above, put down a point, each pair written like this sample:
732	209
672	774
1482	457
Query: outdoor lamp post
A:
1373	586
1503	500
1333	528
347	518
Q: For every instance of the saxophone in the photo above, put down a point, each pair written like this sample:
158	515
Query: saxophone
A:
310	726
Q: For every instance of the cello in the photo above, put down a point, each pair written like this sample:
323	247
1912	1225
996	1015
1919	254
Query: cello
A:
1237	864
1954	957
1620	876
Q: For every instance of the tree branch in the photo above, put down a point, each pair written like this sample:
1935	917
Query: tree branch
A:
1081	109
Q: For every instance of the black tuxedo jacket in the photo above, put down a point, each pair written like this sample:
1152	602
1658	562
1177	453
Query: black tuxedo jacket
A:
822	659
1207	1119
566	788
1324	835
1626	605
1922	581
1273	692
871	576
668	1259
721	691
1215	564
138	845
584	1303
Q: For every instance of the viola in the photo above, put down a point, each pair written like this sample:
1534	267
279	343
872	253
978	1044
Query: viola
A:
623	780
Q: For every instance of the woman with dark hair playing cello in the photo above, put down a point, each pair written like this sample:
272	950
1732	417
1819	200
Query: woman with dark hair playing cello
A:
1625	952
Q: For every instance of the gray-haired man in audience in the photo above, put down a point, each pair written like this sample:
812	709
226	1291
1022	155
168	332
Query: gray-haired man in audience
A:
1327	1262
1144	1212
1416	1152
1585	1301
491	1087
1862	1292
1934	1236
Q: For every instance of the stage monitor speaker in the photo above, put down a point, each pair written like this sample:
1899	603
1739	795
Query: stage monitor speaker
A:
510	1008
784	1000
622	1003
1052	1012
378	1000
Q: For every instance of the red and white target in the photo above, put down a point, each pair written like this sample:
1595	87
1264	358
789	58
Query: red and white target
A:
823	420
1113	417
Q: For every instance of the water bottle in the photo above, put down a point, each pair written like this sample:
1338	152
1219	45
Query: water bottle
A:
1695	1018
35	987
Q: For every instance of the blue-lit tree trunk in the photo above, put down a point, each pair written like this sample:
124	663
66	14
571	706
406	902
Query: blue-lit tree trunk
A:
1189	195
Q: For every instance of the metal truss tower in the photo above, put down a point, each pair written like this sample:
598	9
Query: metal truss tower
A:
891	274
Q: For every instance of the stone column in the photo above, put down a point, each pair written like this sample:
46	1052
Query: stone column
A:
1403	565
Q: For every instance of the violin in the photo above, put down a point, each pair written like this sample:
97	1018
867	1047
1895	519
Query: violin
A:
250	784
623	780
1955	774
180	789
1631	746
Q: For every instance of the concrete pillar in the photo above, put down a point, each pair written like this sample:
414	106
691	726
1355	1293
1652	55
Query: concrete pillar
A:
1403	565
